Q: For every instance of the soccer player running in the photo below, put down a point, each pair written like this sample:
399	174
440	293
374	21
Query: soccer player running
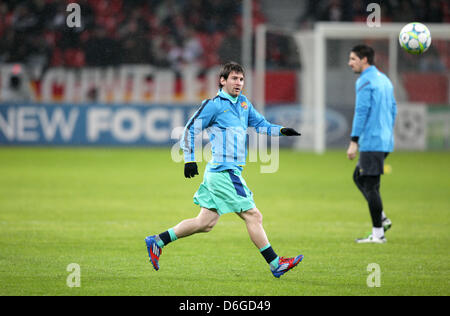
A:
373	134
223	190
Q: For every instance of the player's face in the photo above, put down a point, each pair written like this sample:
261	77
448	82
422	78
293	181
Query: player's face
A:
355	63
233	84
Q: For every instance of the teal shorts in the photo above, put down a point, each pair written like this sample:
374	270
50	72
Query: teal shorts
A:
225	192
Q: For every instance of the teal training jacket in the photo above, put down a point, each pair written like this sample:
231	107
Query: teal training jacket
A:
226	120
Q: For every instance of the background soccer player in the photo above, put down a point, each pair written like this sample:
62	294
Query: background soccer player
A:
372	134
223	190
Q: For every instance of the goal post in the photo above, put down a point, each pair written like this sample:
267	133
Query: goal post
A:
312	121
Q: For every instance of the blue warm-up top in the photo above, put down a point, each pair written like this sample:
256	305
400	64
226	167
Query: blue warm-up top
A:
226	120
375	111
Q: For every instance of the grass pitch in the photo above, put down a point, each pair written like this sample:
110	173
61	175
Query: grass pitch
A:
94	207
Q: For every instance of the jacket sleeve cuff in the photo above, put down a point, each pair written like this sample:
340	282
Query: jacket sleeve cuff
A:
355	139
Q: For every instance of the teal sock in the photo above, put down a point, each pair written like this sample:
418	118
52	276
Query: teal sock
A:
270	256
173	237
274	263
159	242
164	238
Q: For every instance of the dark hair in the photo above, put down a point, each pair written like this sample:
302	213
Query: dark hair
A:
362	51
229	68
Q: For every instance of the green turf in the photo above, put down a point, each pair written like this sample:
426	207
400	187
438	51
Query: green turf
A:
94	207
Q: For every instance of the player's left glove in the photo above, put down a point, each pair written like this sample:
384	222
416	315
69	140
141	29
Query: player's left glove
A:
287	131
190	169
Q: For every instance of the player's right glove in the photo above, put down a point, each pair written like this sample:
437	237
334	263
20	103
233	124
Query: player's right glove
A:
190	169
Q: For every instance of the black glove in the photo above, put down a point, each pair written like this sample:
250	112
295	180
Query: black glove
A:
190	169
287	131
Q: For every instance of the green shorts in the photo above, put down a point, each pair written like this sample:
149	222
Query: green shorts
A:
225	192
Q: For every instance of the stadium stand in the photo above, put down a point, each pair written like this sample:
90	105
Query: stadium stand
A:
168	33
150	31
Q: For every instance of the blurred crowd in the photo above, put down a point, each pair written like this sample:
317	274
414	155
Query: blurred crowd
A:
165	33
426	11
